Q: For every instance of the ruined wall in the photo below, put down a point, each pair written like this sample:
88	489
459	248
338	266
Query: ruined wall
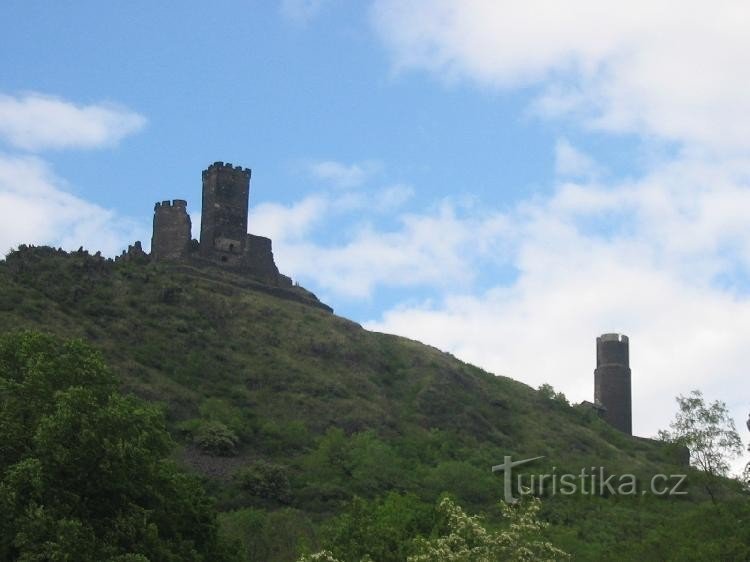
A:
171	234
260	262
226	194
612	388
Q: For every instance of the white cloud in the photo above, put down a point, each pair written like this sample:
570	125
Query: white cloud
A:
36	122
342	175
36	208
394	196
669	69
280	222
404	257
571	162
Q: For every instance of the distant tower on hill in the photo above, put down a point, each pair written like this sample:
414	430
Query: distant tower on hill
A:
612	381
171	234
226	194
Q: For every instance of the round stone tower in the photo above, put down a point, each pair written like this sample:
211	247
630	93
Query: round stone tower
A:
171	236
612	381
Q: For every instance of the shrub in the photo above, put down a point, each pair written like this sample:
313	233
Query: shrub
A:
216	439
265	480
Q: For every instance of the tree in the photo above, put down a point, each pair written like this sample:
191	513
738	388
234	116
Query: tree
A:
707	431
547	391
84	473
465	539
460	537
382	529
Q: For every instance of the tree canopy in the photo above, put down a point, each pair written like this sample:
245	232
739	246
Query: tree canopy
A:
84	473
707	430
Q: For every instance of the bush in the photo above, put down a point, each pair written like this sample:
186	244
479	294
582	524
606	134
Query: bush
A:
265	480
214	438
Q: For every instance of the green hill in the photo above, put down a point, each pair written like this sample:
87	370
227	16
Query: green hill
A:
289	411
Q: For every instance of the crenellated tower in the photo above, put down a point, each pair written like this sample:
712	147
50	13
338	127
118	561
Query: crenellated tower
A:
612	388
171	234
226	194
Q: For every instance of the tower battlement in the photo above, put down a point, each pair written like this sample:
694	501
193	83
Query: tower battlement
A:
612	349
221	166
170	204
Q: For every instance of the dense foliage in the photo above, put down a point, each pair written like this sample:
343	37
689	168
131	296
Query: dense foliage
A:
83	469
455	535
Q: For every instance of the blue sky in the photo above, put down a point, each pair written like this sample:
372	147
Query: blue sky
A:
488	177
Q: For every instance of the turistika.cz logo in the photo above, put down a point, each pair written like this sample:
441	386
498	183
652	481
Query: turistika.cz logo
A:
590	481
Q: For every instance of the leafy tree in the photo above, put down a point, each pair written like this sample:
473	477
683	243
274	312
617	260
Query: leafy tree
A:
458	537
465	539
215	438
83	469
707	430
382	529
547	391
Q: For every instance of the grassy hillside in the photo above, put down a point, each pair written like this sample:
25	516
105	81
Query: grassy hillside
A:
290	411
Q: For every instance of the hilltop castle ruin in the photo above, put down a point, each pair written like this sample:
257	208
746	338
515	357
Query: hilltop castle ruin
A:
224	240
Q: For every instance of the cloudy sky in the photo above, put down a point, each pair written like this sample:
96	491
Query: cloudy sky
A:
503	180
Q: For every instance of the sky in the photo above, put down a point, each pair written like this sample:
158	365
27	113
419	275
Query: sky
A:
502	180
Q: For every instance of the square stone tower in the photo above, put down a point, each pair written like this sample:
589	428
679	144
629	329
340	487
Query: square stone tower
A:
226	195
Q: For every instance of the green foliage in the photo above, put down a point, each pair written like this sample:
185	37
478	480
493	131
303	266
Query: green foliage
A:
548	392
265	480
247	527
468	482
463	538
706	532
84	474
215	438
237	420
400	528
277	437
269	536
707	430
381	529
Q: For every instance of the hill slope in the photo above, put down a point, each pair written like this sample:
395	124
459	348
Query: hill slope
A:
247	373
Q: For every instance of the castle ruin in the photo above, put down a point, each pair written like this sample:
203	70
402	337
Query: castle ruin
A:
612	392
224	239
